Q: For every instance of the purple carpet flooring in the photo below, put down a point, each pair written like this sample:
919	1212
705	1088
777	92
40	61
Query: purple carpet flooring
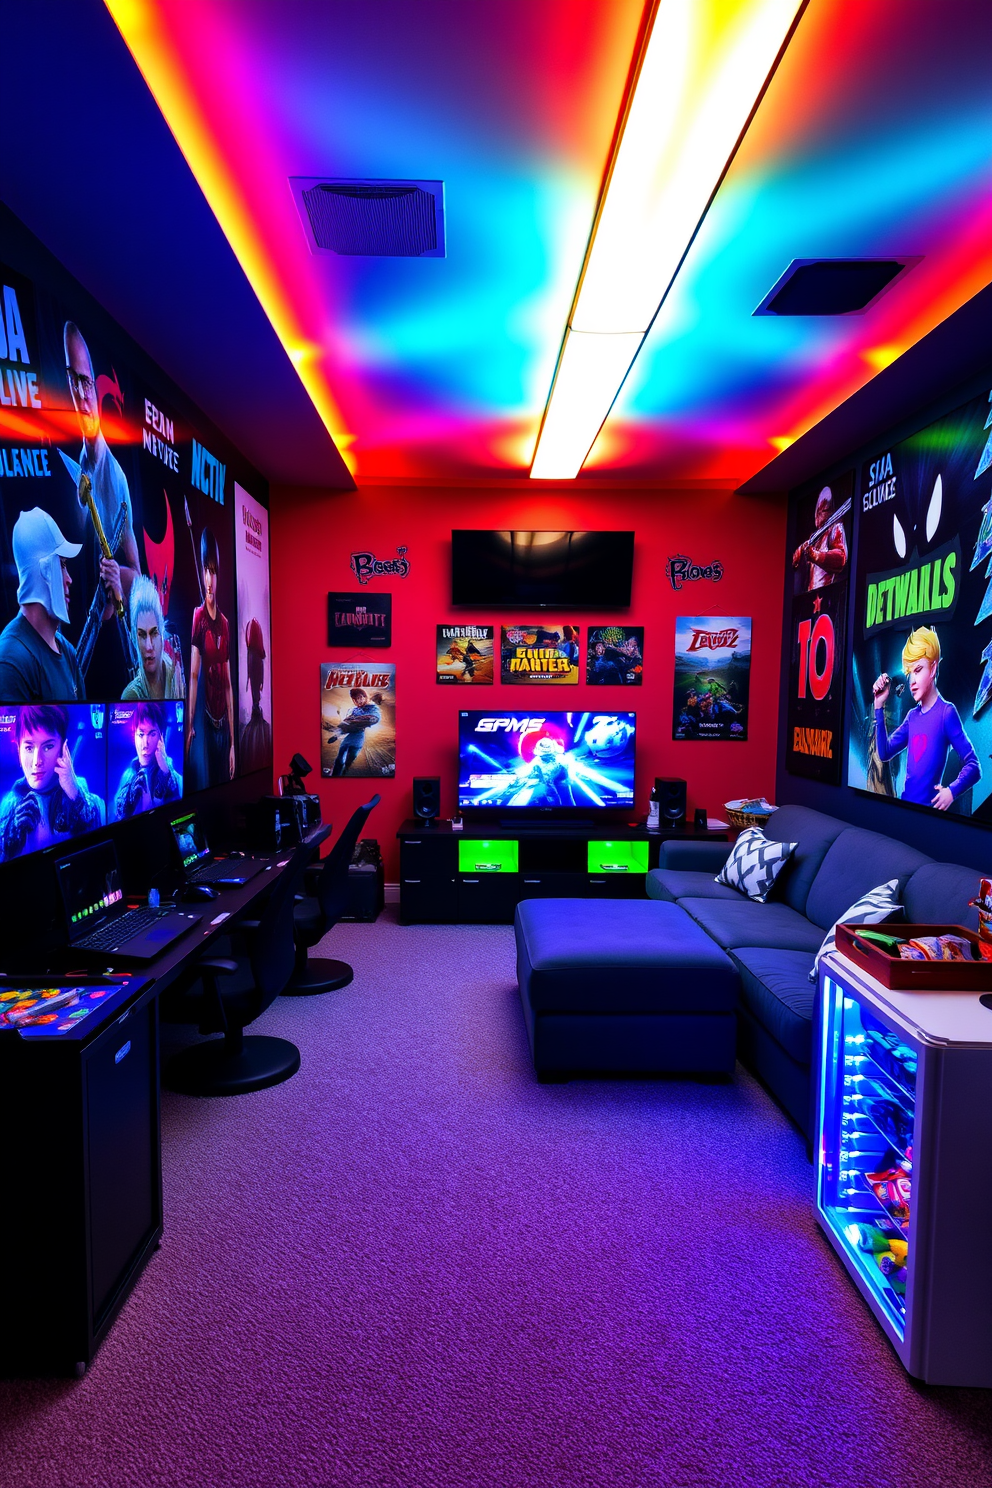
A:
412	1265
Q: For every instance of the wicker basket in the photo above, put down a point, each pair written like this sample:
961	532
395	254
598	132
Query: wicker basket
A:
748	813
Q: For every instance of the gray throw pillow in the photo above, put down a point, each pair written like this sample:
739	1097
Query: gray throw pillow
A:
871	909
755	863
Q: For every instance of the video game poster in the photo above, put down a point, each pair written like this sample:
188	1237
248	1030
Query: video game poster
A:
539	653
357	720
359	619
819	552
921	667
615	656
712	677
465	655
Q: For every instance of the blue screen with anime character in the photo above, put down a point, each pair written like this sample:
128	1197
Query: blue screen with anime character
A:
144	756
53	774
539	761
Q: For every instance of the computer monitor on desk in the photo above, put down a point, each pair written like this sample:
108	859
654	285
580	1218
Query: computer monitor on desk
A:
190	840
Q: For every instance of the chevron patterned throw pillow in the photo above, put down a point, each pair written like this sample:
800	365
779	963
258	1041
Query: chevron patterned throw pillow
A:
755	864
871	909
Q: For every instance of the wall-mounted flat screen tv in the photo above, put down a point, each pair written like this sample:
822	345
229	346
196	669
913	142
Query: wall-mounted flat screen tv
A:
549	570
538	761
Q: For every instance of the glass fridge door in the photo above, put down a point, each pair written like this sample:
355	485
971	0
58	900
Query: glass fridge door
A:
867	1117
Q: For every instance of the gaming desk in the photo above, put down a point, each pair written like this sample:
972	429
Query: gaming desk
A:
82	1183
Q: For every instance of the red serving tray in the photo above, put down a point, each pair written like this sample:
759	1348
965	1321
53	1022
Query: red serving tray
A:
915	976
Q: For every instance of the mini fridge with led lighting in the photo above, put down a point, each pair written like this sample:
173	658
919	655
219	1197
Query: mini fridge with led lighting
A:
904	1164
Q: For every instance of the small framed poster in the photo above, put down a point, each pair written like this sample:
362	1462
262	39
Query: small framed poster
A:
465	655
615	656
359	619
712	677
539	652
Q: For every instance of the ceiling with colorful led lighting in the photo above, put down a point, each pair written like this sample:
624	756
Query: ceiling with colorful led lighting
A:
872	139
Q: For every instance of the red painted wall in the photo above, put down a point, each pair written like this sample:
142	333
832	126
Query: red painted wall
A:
314	533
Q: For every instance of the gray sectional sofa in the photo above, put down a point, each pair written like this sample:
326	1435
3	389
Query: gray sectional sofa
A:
773	944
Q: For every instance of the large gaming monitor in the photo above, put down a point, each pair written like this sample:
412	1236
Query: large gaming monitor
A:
543	763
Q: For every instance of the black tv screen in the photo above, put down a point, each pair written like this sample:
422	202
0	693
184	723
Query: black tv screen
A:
545	570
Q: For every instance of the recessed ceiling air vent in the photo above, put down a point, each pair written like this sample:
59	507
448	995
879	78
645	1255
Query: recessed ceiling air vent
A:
833	286
372	219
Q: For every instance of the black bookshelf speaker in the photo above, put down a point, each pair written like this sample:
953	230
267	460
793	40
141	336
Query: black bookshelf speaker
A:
671	798
427	797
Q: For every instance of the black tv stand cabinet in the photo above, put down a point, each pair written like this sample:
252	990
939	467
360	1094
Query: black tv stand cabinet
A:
552	863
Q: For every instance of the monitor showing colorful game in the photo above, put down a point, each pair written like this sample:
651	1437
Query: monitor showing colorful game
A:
544	761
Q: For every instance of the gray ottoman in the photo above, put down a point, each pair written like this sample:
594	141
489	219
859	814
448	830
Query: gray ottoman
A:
623	985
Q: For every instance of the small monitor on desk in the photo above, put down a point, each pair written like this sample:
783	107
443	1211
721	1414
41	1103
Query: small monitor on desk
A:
190	840
91	887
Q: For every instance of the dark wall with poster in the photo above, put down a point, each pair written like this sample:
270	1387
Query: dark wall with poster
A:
117	560
920	550
819	557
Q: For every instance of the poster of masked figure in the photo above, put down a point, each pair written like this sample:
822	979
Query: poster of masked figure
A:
68	462
921	671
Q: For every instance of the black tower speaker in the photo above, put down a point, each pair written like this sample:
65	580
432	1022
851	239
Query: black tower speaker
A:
427	797
671	798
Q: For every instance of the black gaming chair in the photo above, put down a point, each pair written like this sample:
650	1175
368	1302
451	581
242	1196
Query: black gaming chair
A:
234	1064
316	914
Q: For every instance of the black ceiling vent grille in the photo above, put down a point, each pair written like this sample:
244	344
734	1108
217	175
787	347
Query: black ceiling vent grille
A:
372	219
833	286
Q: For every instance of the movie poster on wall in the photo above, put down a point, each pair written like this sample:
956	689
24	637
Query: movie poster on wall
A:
465	655
921	666
251	525
95	462
357	720
211	718
615	656
819	547
539	653
712	677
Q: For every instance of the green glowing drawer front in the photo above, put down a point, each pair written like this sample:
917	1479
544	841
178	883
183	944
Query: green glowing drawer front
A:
487	857
618	857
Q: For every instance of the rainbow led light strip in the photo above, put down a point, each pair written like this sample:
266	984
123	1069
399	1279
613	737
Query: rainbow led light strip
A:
146	34
703	67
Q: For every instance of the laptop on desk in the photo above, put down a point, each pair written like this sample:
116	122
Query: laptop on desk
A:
98	920
199	863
